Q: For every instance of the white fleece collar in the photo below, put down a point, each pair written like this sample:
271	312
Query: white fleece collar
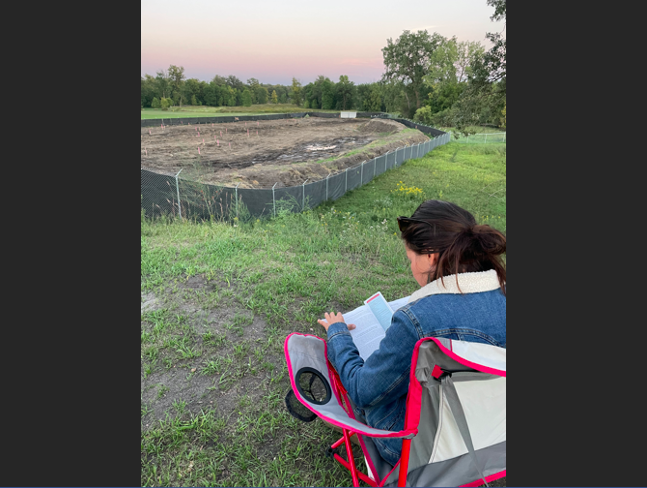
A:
469	283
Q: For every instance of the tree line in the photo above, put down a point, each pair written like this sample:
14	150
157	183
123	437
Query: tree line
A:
428	77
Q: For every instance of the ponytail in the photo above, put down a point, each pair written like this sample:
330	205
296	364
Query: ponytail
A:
463	246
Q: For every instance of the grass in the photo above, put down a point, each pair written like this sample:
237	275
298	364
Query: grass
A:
228	296
204	111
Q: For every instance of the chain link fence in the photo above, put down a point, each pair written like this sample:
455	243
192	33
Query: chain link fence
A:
484	138
173	196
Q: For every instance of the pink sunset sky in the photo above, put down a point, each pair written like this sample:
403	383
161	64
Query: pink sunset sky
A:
275	41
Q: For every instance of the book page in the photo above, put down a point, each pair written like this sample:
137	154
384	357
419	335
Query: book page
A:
381	310
369	333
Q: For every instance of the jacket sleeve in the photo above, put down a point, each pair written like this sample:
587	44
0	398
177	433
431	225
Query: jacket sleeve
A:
385	374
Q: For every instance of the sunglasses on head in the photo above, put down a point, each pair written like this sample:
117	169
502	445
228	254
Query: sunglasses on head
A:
403	222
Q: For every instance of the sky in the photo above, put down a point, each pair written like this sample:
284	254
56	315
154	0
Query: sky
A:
276	41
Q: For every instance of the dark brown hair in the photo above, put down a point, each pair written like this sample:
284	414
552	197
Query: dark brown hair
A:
463	246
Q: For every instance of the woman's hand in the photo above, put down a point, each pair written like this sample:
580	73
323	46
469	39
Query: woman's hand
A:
333	319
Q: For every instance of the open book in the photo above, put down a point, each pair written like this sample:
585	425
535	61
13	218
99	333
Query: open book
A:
372	320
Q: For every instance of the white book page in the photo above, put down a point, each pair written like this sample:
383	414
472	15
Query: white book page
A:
368	332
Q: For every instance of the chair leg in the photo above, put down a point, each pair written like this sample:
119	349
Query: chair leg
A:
351	459
404	463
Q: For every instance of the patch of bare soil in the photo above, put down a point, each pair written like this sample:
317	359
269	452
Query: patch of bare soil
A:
262	153
185	382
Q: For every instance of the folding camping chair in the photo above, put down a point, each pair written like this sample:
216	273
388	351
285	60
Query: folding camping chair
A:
455	421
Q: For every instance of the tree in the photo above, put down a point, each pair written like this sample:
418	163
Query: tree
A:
283	98
275	98
345	91
254	85
234	82
155	103
407	60
165	103
176	77
247	98
193	100
468	53
163	82
296	94
231	96
149	90
485	95
261	95
495	58
327	95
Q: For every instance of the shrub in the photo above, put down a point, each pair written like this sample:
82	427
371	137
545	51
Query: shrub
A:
423	114
165	103
193	100
155	103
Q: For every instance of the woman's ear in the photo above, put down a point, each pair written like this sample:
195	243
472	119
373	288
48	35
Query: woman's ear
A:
433	259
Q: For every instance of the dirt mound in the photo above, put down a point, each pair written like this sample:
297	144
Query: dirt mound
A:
266	153
381	126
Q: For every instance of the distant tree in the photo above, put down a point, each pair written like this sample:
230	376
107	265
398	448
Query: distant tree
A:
327	95
313	103
234	82
165	103
193	100
484	97
296	94
283	98
444	95
155	103
231	96
163	82
345	91
176	76
149	90
407	60
275	97
253	85
306	104
261	95
247	98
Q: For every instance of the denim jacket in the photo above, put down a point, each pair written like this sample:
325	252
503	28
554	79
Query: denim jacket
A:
378	386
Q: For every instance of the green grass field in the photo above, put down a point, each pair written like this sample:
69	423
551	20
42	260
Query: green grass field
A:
203	111
218	301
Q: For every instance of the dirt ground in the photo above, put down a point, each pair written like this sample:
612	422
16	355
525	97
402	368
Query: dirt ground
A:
286	151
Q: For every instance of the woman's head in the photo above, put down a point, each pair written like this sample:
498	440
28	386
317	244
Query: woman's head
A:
443	239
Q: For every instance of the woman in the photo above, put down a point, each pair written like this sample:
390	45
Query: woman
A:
459	267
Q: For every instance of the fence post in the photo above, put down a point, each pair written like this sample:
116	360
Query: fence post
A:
303	202
327	180
274	201
177	187
237	200
374	167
